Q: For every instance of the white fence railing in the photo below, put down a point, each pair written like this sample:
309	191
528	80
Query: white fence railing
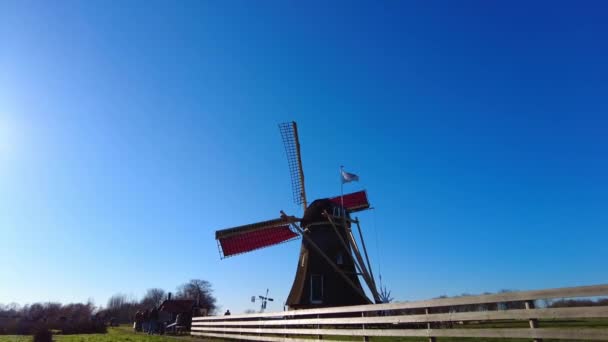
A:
487	316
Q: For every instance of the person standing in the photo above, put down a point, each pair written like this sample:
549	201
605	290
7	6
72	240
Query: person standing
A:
146	321
138	320
153	321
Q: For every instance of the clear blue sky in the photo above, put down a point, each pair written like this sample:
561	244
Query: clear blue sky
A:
131	131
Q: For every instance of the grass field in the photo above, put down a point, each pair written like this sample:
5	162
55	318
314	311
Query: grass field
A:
118	334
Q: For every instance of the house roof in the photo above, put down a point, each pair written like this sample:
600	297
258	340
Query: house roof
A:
177	305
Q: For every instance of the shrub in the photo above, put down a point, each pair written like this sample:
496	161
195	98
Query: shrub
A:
43	335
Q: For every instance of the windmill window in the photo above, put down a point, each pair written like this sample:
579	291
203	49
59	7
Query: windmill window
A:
339	258
316	289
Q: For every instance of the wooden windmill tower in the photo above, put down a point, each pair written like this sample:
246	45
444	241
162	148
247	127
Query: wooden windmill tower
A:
330	261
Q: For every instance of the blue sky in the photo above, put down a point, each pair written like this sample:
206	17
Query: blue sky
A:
130	132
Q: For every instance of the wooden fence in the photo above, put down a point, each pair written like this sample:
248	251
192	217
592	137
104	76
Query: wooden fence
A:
504	315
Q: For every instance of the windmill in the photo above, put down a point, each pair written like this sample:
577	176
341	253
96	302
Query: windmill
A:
330	260
263	301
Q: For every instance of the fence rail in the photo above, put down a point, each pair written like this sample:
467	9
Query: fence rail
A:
467	316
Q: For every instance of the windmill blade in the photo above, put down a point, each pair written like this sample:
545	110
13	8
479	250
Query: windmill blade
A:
352	202
289	134
243	239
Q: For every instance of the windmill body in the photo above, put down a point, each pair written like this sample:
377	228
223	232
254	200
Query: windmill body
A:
330	263
316	283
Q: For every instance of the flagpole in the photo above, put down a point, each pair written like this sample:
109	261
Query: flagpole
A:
341	187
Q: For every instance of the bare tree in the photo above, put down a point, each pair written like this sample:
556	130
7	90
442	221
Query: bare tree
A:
200	291
116	301
154	298
121	308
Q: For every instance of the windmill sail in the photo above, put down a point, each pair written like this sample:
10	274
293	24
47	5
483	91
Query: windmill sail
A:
289	134
254	236
352	202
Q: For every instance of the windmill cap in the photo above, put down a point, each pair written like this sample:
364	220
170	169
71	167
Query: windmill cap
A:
314	212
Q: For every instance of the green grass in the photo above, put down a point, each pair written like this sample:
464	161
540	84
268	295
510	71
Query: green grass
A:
117	334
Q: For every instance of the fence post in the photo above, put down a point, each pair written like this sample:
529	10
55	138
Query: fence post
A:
319	337
365	338
428	325
260	326
533	322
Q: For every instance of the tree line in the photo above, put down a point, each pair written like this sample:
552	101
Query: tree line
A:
75	318
82	318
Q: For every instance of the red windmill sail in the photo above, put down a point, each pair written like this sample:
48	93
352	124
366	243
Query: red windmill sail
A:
352	202
254	236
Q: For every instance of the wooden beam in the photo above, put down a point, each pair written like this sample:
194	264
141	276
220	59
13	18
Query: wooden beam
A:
359	267
515	314
352	258
595	334
259	338
369	266
370	282
571	292
301	170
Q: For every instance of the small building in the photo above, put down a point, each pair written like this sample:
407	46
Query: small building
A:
177	306
182	310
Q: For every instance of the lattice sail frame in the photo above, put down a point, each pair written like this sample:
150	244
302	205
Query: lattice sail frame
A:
289	134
